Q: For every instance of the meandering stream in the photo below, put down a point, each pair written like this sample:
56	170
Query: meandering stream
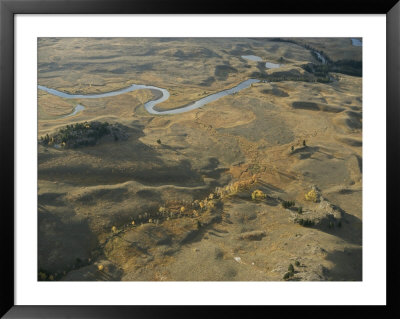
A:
150	105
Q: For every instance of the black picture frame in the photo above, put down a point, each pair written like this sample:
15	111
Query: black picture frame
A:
9	8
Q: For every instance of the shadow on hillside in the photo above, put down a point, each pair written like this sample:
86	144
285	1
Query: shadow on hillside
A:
64	241
349	228
306	152
347	265
125	161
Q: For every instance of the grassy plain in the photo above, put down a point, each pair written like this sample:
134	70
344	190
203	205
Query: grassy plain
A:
88	197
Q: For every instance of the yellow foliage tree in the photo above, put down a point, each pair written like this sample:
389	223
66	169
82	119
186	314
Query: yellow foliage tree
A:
258	195
311	196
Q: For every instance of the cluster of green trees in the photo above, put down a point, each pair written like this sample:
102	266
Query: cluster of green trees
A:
290	273
349	67
288	204
305	222
321	71
95	130
81	134
299	78
46	140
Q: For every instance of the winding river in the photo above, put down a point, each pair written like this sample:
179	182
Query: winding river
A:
76	110
150	105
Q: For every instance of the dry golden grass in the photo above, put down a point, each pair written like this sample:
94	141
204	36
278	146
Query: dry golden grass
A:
241	143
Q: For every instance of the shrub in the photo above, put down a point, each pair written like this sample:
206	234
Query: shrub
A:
300	210
258	195
306	222
312	195
297	263
288	204
287	275
291	268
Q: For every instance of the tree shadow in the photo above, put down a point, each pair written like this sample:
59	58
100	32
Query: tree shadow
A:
348	228
211	170
306	152
145	165
269	188
132	148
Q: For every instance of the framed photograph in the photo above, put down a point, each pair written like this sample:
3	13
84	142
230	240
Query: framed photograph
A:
170	154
